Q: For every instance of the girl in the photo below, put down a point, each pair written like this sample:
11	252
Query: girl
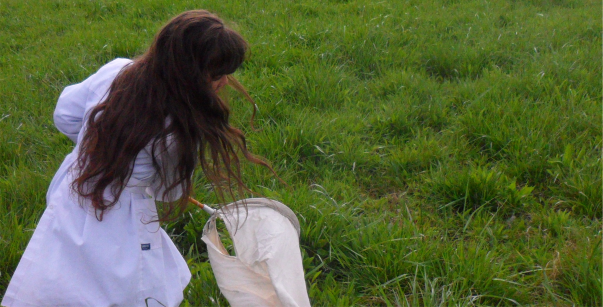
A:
140	128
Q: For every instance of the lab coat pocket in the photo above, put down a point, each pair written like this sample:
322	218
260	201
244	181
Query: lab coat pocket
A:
145	213
151	252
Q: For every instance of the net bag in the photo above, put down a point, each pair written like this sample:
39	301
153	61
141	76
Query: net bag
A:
267	267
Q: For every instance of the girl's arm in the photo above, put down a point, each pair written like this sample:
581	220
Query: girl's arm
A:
69	112
167	159
77	99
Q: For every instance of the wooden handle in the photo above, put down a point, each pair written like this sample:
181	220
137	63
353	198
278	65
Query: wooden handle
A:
205	208
196	202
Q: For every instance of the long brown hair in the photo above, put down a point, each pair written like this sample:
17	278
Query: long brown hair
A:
165	98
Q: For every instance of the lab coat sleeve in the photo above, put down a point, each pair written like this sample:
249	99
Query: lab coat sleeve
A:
167	159
77	99
69	112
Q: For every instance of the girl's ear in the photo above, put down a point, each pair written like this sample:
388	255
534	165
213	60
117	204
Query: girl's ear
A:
234	83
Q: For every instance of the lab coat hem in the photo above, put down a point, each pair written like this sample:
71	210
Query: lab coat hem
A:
8	301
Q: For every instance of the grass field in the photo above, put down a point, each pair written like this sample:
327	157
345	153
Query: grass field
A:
438	152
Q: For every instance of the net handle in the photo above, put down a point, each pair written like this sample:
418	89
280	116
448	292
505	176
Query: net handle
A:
205	208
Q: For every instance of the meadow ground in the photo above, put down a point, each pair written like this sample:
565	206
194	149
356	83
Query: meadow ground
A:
438	153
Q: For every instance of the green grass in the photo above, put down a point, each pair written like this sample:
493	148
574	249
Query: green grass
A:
438	153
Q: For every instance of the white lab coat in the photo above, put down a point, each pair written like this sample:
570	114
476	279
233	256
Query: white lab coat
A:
267	270
73	259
